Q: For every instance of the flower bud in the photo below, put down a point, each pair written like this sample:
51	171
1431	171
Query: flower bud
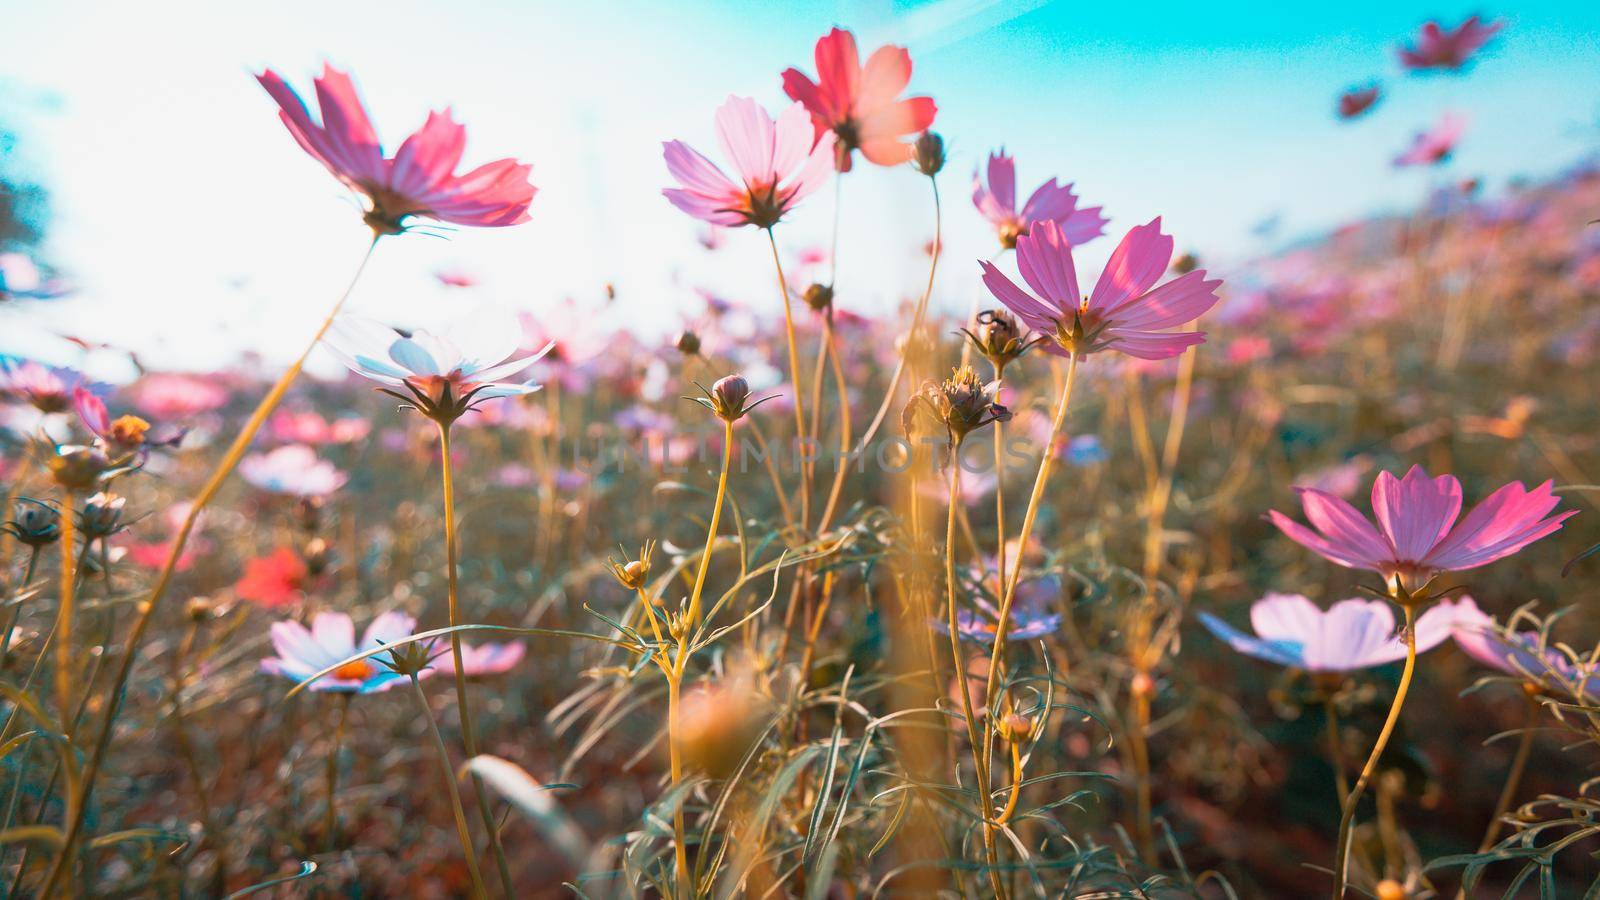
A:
928	153
633	574
1389	889
688	343
102	514
819	296
317	555
77	468
728	396
34	523
1185	264
1142	685
200	609
1015	728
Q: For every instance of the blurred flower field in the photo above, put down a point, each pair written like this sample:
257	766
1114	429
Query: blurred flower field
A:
1145	580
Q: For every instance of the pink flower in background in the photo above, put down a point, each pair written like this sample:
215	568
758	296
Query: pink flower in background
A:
455	278
172	396
20	278
309	427
1436	47
1434	145
47	388
775	160
1357	101
1417	535
1520	654
302	652
860	105
478	660
1122	313
292	469
1352	634
275	580
419	180
1050	202
124	434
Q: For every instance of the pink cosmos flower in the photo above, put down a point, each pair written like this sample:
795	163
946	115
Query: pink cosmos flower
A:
776	162
483	659
1122	313
858	104
171	396
1417	535
1440	48
308	427
419	180
1434	145
123	435
1522	654
1356	101
48	388
302	652
1352	634
455	278
1050	202
292	469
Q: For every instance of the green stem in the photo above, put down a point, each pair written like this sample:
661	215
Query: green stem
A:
468	740
455	796
1347	818
330	822
219	476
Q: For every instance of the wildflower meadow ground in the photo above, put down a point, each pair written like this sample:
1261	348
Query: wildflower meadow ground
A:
1139	578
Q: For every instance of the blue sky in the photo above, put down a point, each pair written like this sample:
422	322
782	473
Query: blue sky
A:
197	229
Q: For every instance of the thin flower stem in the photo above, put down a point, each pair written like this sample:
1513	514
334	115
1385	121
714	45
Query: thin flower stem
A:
969	715
916	321
1335	751
842	465
130	652
794	377
1016	785
675	764
999	507
16	609
330	821
716	521
469	740
1519	763
65	664
1003	615
445	769
1347	818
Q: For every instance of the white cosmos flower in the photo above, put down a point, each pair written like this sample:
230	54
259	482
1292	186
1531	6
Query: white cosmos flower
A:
292	469
469	361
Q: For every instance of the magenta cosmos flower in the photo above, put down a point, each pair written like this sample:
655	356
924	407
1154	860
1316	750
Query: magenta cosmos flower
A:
1435	145
479	660
1417	535
997	200
420	179
777	163
1357	101
1436	47
1352	634
1522	654
1122	313
303	652
859	104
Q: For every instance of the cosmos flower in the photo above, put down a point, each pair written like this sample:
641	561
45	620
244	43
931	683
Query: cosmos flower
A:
275	580
478	660
1436	47
419	180
1030	617
309	427
455	278
444	373
171	397
1356	101
293	469
776	162
123	436
302	652
858	104
1050	202
1122	313
1352	634
1417	535
1521	654
1435	145
48	388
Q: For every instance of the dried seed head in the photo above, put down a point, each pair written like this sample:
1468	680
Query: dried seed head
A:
102	514
688	343
34	522
819	296
1185	264
968	403
928	153
77	468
